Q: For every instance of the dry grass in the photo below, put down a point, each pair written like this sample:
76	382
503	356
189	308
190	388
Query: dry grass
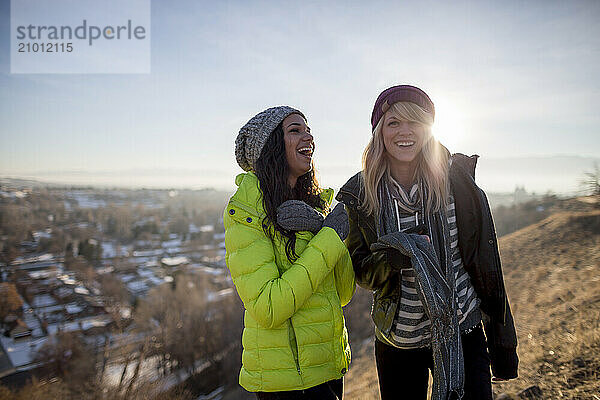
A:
552	275
361	380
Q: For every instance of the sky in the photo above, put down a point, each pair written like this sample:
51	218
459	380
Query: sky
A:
508	79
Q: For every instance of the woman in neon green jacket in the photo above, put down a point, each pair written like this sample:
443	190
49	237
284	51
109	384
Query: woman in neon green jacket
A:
288	263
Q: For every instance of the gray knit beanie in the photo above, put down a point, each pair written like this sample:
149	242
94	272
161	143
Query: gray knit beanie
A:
254	134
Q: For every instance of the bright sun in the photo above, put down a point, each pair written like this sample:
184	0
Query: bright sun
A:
449	123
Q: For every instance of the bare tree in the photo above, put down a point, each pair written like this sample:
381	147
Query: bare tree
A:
10	301
136	372
591	180
66	356
116	302
188	324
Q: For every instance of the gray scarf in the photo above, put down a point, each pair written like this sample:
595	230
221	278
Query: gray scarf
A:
436	288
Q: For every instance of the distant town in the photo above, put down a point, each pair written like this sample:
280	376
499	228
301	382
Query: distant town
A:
91	263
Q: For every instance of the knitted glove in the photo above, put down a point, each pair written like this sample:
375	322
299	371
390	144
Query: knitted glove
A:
393	257
396	259
296	215
338	220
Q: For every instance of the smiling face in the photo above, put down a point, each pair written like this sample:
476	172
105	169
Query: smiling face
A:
403	141
299	146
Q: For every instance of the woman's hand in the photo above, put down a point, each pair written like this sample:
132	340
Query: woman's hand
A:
296	215
394	257
337	219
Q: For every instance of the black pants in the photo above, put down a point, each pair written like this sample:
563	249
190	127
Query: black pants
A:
332	390
404	374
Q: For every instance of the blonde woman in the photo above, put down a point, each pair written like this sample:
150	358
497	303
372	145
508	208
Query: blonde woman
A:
423	240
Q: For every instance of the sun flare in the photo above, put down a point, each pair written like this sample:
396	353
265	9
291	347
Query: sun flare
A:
449	126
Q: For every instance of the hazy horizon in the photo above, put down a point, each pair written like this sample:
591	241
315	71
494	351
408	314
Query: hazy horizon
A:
560	174
508	79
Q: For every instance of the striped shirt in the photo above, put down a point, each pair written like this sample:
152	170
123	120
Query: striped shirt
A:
411	327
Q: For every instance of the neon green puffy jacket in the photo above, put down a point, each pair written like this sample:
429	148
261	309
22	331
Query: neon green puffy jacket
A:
294	333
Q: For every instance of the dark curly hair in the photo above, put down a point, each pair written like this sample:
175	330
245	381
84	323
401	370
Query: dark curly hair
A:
272	170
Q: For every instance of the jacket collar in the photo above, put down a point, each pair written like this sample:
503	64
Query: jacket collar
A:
467	163
353	187
248	192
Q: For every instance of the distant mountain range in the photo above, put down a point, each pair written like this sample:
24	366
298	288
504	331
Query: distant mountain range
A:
561	174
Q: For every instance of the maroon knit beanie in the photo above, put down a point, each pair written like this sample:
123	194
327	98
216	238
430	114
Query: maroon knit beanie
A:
398	93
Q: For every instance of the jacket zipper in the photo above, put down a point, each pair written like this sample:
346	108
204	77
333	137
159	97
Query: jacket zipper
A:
294	348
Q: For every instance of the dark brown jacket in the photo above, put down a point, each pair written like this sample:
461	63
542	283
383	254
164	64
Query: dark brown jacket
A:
479	251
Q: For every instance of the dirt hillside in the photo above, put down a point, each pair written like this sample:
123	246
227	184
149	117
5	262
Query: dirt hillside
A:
552	275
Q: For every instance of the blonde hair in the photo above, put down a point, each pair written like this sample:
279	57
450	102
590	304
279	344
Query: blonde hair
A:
432	163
